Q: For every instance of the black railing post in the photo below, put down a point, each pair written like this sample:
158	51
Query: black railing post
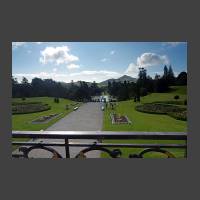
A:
67	148
185	154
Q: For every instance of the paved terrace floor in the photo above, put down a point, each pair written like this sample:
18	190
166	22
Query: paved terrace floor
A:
88	117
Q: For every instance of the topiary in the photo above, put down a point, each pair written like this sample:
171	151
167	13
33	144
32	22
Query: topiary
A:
176	97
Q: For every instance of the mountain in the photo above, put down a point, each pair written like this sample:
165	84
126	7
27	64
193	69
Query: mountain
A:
120	79
126	78
103	83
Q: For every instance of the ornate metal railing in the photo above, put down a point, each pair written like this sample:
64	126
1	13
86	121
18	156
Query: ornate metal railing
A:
25	147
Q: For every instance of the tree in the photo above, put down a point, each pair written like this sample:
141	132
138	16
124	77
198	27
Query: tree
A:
38	87
176	97
15	87
94	89
48	87
171	77
168	75
165	75
25	88
157	76
142	73
160	84
181	79
24	81
109	87
143	91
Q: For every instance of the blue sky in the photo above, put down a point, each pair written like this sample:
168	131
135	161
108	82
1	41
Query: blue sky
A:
95	61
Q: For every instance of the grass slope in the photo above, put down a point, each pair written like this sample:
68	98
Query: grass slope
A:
147	122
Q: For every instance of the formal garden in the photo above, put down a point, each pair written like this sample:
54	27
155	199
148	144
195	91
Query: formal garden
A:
156	112
38	113
148	105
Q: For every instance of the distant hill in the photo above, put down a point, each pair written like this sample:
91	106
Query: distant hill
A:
121	79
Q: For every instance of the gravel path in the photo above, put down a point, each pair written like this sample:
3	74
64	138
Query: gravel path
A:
88	117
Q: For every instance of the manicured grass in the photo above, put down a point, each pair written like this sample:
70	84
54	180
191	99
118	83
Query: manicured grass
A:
178	90
147	122
23	121
142	121
178	153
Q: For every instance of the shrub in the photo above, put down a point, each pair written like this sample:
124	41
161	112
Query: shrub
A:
56	100
143	91
176	97
23	98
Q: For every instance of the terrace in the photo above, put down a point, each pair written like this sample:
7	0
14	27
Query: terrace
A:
111	149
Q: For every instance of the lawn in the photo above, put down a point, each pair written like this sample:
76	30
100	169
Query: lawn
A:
23	121
147	122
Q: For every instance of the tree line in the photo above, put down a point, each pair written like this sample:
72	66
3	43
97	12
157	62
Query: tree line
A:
39	88
81	90
146	84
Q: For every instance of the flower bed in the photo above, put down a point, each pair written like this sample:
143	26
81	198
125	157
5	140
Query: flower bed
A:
45	119
119	119
174	111
177	102
15	103
29	107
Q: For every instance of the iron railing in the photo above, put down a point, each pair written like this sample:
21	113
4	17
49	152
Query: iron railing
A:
25	147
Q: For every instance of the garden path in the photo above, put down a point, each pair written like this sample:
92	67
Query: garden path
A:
89	117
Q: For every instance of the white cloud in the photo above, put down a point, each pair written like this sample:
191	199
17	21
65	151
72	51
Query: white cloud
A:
38	42
132	70
55	69
152	59
146	60
58	55
93	72
98	76
89	76
112	52
73	66
104	60
15	45
43	75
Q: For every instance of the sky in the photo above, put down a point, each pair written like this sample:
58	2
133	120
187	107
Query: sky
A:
95	61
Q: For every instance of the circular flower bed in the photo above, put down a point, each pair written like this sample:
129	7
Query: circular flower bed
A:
174	111
29	107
